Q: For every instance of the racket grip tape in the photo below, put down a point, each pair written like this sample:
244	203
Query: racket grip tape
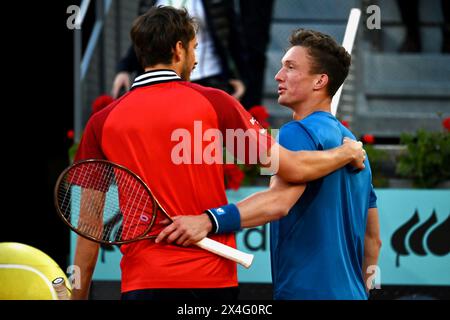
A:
60	289
244	259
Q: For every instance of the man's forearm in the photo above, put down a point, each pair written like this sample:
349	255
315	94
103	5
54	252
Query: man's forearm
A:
255	210
269	205
86	254
371	253
260	208
317	164
304	166
372	245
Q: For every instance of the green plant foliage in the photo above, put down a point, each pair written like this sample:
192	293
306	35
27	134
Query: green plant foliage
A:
427	160
72	152
376	158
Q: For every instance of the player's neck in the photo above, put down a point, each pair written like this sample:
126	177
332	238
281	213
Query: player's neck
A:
304	109
160	66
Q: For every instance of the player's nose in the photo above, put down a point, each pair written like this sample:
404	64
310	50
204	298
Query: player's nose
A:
279	76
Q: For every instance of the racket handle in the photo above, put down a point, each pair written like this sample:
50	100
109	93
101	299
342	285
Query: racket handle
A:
225	251
60	289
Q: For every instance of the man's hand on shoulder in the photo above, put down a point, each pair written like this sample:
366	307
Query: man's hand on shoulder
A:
357	152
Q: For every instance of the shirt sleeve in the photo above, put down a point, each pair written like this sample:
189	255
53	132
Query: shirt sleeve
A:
90	147
243	135
372	198
293	136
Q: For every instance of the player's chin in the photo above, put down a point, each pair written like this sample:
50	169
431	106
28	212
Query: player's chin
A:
282	100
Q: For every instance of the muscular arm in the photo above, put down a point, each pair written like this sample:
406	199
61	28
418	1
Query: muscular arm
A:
271	204
372	244
305	166
85	258
255	210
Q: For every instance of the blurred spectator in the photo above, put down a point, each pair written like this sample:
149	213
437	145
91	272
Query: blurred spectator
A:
256	16
409	10
220	52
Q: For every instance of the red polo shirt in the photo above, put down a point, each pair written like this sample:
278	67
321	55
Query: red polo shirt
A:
149	131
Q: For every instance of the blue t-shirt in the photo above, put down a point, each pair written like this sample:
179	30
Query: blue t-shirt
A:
317	249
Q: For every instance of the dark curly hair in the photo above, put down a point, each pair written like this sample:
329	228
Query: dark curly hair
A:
326	55
156	32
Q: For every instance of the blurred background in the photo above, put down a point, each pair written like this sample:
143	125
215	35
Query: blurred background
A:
396	99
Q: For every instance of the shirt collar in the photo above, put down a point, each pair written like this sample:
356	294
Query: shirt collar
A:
154	77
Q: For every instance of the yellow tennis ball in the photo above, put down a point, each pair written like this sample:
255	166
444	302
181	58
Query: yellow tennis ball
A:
26	273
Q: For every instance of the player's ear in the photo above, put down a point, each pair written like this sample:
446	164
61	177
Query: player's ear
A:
178	51
321	81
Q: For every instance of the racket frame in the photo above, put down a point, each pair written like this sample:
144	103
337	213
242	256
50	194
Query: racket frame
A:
73	228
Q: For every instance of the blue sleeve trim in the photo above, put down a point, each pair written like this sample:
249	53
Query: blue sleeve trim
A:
372	199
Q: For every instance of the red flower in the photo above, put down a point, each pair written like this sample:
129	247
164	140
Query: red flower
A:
345	123
101	102
233	176
446	123
368	138
70	134
261	115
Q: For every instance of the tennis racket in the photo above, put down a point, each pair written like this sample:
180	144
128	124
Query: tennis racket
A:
108	203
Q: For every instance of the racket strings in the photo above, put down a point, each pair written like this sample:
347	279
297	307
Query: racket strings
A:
114	211
129	207
83	214
135	218
96	177
87	209
108	203
131	190
102	177
97	202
